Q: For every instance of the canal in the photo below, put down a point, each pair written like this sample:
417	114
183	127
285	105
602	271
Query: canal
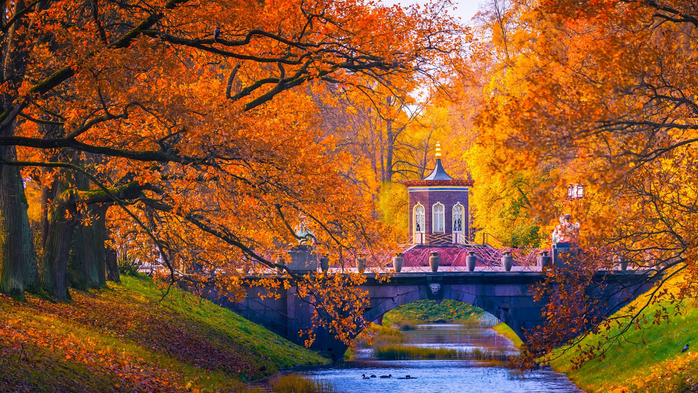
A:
480	370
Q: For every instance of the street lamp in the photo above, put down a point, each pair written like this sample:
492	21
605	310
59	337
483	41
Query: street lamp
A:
575	191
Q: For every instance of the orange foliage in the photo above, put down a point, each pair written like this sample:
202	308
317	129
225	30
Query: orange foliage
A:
600	93
209	146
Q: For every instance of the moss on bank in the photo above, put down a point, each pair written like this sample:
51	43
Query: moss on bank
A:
125	338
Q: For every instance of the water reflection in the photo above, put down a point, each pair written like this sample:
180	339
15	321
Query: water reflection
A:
435	376
466	338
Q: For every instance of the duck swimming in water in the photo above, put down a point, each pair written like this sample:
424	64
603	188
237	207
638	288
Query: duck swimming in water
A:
387	376
363	376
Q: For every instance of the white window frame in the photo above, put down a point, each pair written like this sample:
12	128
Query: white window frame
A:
438	219
419	235
458	234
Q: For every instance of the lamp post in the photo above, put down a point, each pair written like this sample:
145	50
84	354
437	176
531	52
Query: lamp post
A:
575	191
565	235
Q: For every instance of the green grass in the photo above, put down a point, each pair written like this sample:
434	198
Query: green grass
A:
648	359
378	335
294	383
428	311
126	339
506	331
406	352
254	338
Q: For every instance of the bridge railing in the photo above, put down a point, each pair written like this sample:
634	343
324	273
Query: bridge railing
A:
489	253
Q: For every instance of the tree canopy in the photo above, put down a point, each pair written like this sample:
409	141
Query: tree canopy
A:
197	121
599	93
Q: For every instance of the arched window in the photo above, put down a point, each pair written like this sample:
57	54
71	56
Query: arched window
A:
419	214
437	214
457	223
458	218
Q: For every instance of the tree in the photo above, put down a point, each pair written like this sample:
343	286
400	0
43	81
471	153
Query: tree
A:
601	93
501	200
209	148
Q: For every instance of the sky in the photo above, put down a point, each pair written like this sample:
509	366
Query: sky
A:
464	9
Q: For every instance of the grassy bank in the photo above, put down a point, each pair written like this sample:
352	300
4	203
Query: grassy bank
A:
424	311
125	339
647	360
293	383
506	331
404	352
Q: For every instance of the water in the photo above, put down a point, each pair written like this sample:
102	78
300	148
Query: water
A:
461	338
447	376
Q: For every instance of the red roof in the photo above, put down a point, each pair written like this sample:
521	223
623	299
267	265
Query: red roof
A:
431	183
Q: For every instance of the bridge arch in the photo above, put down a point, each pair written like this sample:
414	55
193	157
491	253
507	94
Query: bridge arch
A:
506	295
497	306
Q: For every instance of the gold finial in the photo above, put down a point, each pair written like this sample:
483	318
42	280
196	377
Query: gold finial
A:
438	149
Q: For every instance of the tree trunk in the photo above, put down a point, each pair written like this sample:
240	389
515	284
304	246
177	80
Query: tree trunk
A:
388	170
86	262
30	267
99	226
86	267
18	267
62	221
47	195
16	246
389	145
78	265
112	265
17	256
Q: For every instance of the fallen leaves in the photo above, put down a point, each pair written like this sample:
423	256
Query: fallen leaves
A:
108	341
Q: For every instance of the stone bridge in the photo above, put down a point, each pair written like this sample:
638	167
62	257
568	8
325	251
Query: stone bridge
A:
506	295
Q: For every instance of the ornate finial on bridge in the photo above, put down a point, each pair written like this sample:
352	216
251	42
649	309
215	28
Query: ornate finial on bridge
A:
438	149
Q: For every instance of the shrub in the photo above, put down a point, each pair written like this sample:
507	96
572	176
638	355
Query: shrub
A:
403	352
294	383
129	267
407	325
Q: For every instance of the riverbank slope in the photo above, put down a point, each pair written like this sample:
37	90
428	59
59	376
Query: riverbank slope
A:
125	338
648	359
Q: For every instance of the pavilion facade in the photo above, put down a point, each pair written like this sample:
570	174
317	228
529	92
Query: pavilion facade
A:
438	208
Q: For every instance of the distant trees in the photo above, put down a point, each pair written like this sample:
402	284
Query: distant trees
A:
391	138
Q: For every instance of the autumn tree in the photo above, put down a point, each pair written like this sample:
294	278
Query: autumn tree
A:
392	135
503	214
601	93
199	150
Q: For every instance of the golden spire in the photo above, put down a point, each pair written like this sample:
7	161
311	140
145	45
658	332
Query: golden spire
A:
438	149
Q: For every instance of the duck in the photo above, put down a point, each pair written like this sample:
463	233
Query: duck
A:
363	376
408	377
387	376
373	375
